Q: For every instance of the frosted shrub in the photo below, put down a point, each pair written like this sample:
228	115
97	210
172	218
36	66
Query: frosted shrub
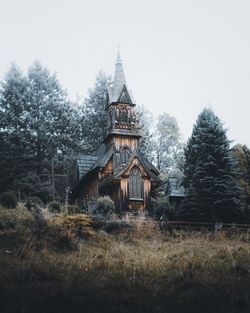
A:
105	205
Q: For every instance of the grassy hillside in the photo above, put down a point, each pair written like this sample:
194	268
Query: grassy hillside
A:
52	268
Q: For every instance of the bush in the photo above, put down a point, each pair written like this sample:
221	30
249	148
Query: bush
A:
73	209
33	202
116	226
162	207
20	216
55	207
61	239
8	200
79	225
40	228
40	223
105	205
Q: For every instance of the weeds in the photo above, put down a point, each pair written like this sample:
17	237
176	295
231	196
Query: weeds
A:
139	269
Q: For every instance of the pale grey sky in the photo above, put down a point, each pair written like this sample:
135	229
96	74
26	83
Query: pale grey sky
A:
179	55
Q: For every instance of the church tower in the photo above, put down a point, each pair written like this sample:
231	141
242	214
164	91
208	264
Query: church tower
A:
123	128
118	168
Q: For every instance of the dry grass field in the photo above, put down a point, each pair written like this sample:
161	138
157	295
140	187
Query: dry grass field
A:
138	270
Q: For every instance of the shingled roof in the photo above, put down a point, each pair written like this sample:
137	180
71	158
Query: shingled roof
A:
176	188
149	168
87	163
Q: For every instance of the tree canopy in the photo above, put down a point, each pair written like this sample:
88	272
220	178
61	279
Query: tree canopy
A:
94	116
212	192
241	154
166	145
37	120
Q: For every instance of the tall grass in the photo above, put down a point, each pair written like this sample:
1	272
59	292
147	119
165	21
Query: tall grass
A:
140	270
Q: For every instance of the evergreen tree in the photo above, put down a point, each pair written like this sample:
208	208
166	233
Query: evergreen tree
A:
94	116
52	120
212	192
36	122
145	123
241	154
13	127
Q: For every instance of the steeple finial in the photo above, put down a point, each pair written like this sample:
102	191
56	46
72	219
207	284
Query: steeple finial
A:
118	59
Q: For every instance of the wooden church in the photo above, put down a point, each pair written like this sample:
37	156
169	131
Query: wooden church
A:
118	168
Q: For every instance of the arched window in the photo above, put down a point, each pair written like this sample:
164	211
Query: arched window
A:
124	155
135	184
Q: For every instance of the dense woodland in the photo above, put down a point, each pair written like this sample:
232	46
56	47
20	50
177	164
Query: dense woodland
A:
42	131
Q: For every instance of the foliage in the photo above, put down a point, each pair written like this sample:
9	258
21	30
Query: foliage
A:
211	188
94	116
10	219
117	226
50	112
55	207
13	160
241	154
26	183
8	200
105	205
60	239
37	121
33	202
79	225
40	228
73	209
162	207
145	121
166	147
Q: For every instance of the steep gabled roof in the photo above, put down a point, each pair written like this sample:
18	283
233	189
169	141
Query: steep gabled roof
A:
146	163
148	167
174	187
124	96
88	163
104	154
85	163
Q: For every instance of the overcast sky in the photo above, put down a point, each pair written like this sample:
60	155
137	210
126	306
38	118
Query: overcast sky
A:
179	55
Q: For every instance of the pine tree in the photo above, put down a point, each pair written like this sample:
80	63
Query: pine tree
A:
49	113
37	121
94	116
13	127
145	123
241	154
212	192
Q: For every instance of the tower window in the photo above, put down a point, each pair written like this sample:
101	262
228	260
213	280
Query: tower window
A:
124	155
135	184
124	115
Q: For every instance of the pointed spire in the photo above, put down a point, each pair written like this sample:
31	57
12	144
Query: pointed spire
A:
119	80
119	77
118	59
